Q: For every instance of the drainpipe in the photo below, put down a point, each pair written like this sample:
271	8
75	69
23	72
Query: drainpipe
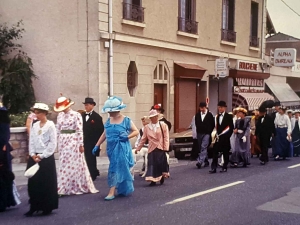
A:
110	60
264	24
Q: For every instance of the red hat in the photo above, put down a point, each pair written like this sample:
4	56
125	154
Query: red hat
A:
62	103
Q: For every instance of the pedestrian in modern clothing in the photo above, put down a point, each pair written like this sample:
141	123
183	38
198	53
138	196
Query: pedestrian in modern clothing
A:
224	130
42	187
205	124
7	198
265	129
74	176
92	130
255	147
161	116
195	147
240	153
283	134
118	129
295	122
157	134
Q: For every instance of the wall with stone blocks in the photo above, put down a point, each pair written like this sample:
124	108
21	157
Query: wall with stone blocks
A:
19	143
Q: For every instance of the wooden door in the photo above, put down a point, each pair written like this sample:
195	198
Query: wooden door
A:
158	94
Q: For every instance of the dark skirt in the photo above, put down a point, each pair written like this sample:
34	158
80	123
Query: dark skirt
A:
42	187
157	165
6	190
282	145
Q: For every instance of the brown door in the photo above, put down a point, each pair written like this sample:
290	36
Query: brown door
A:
158	94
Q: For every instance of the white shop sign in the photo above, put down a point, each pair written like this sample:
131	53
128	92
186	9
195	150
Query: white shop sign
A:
285	57
221	67
296	68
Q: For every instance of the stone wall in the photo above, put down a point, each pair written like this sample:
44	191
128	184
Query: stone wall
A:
19	143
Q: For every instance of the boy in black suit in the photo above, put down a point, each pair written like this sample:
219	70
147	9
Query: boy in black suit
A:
92	130
224	128
265	129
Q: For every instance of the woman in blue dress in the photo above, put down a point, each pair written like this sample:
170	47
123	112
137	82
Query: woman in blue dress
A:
118	130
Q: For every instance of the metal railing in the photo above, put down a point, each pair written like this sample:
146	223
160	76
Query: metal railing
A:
228	35
187	25
133	12
254	41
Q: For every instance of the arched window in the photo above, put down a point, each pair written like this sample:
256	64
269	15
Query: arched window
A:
161	73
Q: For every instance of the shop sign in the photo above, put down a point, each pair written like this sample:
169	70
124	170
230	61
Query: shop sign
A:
239	89
247	66
296	68
249	82
285	57
221	67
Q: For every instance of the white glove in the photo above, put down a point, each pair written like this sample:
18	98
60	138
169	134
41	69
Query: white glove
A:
240	131
244	139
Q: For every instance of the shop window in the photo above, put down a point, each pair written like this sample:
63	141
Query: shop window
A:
187	16
132	78
228	33
254	40
161	73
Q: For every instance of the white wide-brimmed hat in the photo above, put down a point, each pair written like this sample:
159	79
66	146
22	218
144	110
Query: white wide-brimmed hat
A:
153	113
296	111
62	103
113	104
40	106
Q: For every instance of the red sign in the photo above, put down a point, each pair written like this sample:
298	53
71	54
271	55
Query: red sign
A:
247	66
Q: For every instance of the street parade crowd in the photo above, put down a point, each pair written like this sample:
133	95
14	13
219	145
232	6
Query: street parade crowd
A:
78	138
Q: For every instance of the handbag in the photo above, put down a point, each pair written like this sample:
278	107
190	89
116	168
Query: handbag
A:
162	132
30	172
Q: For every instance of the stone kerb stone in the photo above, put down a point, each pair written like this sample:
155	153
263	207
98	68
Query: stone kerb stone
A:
19	143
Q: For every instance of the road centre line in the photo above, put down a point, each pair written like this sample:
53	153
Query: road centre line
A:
294	166
203	193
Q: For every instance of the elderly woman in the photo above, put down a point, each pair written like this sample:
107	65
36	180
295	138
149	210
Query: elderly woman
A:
296	132
74	176
42	187
283	131
118	129
157	134
241	132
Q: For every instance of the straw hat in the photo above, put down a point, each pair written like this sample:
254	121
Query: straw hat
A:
41	106
62	103
243	110
153	113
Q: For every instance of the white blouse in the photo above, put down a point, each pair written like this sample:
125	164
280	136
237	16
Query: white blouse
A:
42	141
283	121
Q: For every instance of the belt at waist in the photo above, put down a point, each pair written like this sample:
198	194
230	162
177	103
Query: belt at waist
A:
283	126
68	131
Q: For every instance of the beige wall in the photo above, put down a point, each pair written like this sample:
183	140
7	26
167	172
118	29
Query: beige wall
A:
161	24
55	39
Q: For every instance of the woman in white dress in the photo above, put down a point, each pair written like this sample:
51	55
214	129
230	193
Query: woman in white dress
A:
42	187
74	176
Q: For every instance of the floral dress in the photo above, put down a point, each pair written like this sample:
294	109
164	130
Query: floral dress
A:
74	176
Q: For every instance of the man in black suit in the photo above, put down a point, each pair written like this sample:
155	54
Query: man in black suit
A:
92	130
224	129
265	129
205	124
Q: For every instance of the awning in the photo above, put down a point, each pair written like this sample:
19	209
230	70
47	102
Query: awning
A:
284	93
250	101
185	70
247	74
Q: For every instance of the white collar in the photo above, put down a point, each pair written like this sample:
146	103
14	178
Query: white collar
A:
151	125
90	112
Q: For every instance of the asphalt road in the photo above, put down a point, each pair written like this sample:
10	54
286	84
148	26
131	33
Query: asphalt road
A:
259	195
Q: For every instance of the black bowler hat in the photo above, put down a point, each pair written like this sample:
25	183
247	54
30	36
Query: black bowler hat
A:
262	109
277	104
202	104
89	101
222	104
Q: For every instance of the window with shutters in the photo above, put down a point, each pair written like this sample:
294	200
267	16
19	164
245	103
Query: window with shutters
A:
187	16
133	10
228	11
132	78
254	40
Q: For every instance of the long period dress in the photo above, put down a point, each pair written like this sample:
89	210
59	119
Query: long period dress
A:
283	128
255	148
42	187
74	176
120	156
296	136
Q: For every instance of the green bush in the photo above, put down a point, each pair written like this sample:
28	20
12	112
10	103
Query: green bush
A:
18	120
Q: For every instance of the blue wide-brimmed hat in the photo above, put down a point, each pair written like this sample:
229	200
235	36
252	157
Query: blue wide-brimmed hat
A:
113	104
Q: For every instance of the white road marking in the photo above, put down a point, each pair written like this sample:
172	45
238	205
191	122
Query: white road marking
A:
203	192
294	166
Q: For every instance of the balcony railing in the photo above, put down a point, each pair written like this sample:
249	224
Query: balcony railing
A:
133	12
254	41
228	35
187	25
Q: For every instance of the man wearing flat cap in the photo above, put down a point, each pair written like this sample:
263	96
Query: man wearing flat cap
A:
224	129
92	130
205	124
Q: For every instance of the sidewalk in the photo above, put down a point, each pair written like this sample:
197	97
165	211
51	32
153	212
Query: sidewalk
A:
102	164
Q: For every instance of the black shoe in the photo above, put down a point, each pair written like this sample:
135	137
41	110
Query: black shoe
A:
162	180
213	171
152	183
47	212
223	170
199	165
206	164
245	165
262	163
29	213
